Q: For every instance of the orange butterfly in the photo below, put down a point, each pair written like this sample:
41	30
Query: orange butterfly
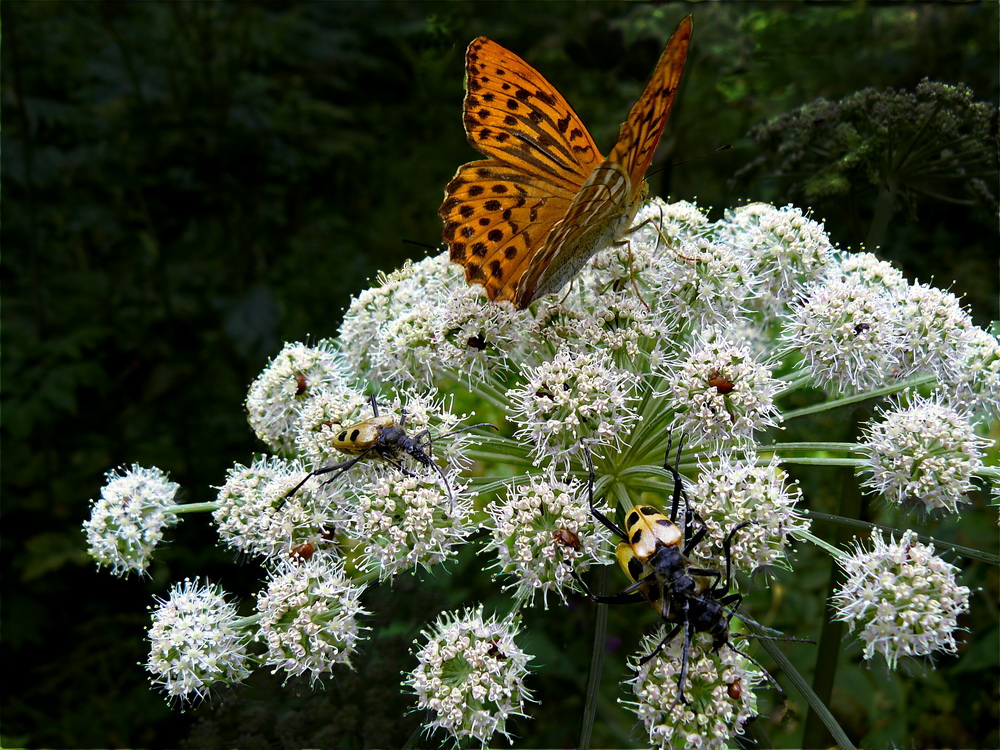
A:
526	220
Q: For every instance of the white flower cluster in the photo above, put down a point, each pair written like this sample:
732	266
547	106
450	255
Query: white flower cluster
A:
128	520
718	687
922	455
542	531
470	676
718	392
402	522
196	641
256	513
730	492
864	326
901	597
310	614
571	401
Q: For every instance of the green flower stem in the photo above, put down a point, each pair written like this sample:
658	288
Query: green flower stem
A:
848	400
793	381
817	729
493	393
593	693
959	549
192	508
816	703
245	623
820	461
780	448
808	536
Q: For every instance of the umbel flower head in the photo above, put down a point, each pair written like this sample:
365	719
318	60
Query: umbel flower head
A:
542	531
195	641
696	330
922	455
128	520
719	688
470	676
901	598
309	617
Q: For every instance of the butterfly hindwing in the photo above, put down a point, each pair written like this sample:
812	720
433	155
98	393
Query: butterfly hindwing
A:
494	214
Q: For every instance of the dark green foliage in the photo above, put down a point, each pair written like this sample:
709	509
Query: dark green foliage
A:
186	185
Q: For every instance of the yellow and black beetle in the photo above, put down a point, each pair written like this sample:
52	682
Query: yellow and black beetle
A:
384	437
653	553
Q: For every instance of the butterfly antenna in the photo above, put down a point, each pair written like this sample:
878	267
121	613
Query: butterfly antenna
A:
421	244
713	152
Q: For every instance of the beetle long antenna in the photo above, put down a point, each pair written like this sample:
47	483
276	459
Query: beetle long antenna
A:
462	429
777	634
758	665
447	485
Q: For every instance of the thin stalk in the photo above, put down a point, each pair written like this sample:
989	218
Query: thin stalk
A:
817	730
849	400
596	662
852	523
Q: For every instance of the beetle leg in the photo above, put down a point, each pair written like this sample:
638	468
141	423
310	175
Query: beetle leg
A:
339	468
608	523
623	597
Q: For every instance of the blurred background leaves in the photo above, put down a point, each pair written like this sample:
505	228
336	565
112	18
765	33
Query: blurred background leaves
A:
186	185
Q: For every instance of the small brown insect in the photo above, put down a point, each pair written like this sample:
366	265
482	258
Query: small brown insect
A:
301	384
566	538
303	551
477	342
735	689
722	384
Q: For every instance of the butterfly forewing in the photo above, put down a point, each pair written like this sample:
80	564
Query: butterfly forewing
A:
512	113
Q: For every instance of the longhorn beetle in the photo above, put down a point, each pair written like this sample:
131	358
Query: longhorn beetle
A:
653	553
385	438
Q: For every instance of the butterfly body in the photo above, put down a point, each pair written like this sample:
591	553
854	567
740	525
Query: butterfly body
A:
524	222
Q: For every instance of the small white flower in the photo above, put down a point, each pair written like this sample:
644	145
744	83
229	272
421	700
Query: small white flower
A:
719	687
847	332
729	492
258	516
924	454
574	399
128	520
902	598
719	393
290	379
470	676
541	531
310	614
195	642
